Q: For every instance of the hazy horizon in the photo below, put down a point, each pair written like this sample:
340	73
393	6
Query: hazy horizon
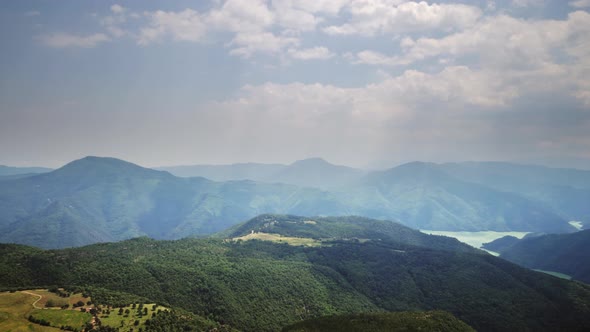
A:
367	84
364	168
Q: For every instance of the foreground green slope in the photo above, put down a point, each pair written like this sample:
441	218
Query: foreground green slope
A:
433	321
565	253
259	285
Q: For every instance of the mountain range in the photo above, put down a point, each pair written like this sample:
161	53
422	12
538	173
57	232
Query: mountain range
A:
97	199
312	172
9	170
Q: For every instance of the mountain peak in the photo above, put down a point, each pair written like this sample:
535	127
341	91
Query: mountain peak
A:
95	161
93	165
316	161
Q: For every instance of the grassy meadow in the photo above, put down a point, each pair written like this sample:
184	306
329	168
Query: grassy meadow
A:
14	311
59	318
294	241
17	307
129	317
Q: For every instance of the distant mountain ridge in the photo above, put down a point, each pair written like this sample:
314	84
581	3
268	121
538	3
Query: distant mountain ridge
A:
565	191
10	170
312	172
97	199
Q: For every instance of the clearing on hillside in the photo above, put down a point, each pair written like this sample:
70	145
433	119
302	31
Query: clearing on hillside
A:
294	241
129	317
69	319
14	311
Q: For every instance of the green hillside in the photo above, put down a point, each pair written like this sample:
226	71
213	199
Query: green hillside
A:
343	228
565	253
502	244
262	285
434	321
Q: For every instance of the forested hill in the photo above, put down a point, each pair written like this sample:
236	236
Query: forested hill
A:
565	253
263	286
384	322
347	228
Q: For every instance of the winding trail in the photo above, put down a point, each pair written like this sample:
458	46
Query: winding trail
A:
34	303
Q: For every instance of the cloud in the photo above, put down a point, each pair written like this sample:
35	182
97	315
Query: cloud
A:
369	57
241	16
273	26
314	53
450	114
528	3
580	3
63	40
247	43
118	9
378	17
296	19
544	53
305	15
248	20
114	23
326	7
187	25
395	97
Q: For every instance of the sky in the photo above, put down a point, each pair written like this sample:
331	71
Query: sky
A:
365	83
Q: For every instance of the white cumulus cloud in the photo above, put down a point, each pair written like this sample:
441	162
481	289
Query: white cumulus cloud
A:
395	17
313	53
580	3
187	25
